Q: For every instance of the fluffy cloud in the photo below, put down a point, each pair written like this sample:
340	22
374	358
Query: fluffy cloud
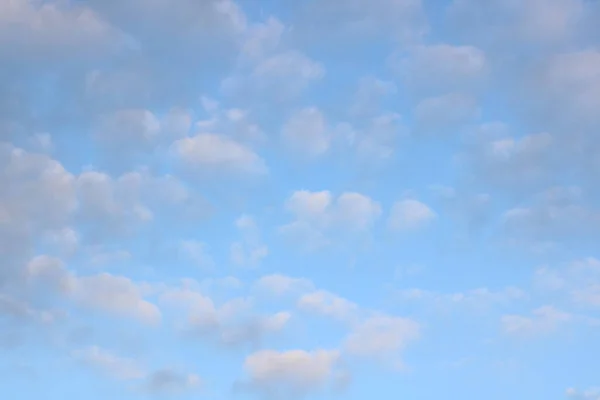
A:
382	337
280	285
207	153
480	298
410	214
165	381
329	305
233	323
290	373
445	114
579	281
34	32
544	320
401	21
108	363
588	394
317	213
306	132
250	250
104	292
170	382
443	68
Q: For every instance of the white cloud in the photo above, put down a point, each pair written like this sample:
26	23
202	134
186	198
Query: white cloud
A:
544	320
250	250
588	394
231	324
129	127
382	337
410	214
290	373
402	21
53	30
579	281
115	295
166	381
480	298
533	22
279	77
198	253
443	68
207	152
109	363
306	132
319	213
329	305
169	381
368	95
279	285
445	114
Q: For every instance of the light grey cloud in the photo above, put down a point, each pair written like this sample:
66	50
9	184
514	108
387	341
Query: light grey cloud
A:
292	373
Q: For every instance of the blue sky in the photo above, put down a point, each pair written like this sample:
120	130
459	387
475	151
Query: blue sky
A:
299	199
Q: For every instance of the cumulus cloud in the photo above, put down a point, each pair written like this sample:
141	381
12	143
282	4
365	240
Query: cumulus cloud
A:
382	337
166	381
319	213
544	320
445	114
442	68
170	382
232	324
108	363
306	132
329	305
115	295
207	153
480	298
588	394
280	285
410	214
292	373
250	250
579	281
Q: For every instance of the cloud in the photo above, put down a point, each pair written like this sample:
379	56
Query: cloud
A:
108	363
232	324
170	382
401	21
579	281
249	251
50	31
280	285
480	298
198	253
544	320
292	373
557	214
104	292
329	305
442	68
381	337
166	381
350	208
279	77
206	152
511	163
410	214
445	114
588	394
306	132
540	22
369	94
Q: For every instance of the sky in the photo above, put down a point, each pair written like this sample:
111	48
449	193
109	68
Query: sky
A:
305	200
